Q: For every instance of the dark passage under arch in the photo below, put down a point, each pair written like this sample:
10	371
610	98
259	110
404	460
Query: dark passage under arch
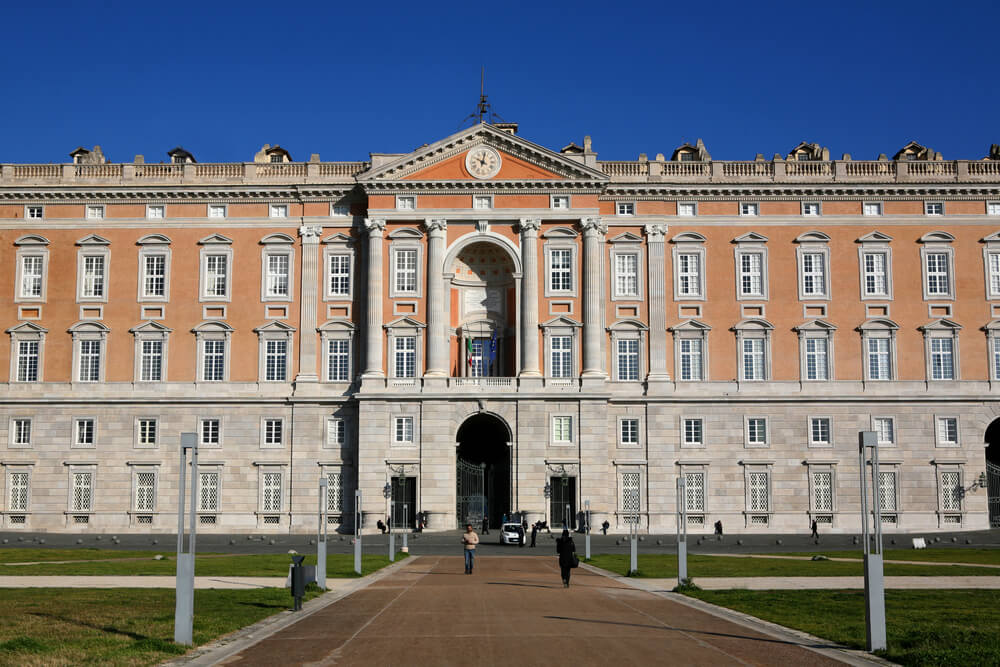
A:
482	442
993	471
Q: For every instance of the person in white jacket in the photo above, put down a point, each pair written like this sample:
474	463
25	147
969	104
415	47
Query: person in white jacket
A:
470	540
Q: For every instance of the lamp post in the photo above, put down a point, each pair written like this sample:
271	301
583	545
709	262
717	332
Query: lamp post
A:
682	547
387	494
874	582
184	597
321	532
547	492
357	530
586	539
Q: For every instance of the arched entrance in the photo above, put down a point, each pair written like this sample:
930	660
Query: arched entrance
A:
483	470
993	471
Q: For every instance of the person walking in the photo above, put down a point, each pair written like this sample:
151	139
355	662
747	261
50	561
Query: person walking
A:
534	533
815	532
718	528
605	526
470	540
486	525
567	556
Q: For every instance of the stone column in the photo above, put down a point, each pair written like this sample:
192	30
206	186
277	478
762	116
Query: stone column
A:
437	336
308	303
373	323
529	297
656	261
593	295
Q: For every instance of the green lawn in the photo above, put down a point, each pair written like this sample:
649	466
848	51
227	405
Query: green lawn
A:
939	555
124	626
664	566
948	627
29	555
266	565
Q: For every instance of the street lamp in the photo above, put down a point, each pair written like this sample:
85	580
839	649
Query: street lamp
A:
387	494
547	491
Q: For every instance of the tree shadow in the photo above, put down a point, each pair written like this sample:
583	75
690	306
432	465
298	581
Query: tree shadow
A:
93	626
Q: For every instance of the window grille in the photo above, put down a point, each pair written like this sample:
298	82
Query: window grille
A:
144	519
887	491
694	491
145	491
154	275
207	519
272	520
18	499
630	493
17	519
758	492
951	492
334	493
208	492
696	520
81	518
823	491
954	519
758	520
823	518
83	489
272	492
340	275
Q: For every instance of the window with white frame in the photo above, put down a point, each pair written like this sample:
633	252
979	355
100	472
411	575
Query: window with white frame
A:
749	208
693	432
625	208
626	274
338	360
406	202
690	358
32	276
208	491
279	210
93	276
878	340
403	430
154	275
20	432
942	359
82	492
406	271
687	209
628	429
155	211
271	495
885	431
482	202
275	360
751	273
758	496
339	275
814	277
19	485
34	212
560	270
144	483
757	432
90	360
27	360
753	367
334	492
84	432
631	501
216	210
210	432
872	208
875	273
146	432
952	492
819	432
150	360
694	491
336	432
817	358
933	208
216	270
810	208
689	274
560	201
561	356
273	433
628	360
993	208
938	275
947	431
338	210
405	356
95	212
995	355
822	488
992	273
213	360
562	429
277	275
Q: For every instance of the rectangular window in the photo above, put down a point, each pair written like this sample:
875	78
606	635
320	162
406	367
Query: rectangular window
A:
19	492
340	209
93	276
83	492
937	274
694	491
214	360
147	432
751	276
562	429
279	210
887	491
27	361
216	275
95	212
338	360
625	208
271	501
814	274
872	208
154	275
631	498
993	208
933	208
885	430
31	276
406	271
482	202
996	358
810	208
277	275
334	493
993	265
151	361
629	431
336	432
822	491
816	359
340	275
626	275
405	356
211	431
947	428
90	361
145	491
21	435
154	212
406	203
759	501
942	359
208	492
560	201
689	274
275	360
216	211
757	431
819	431
875	274
560	270
753	359
628	360
747	208
951	491
403	432
83	433
562	356
690	359
693	432
878	359
687	209
273	432
34	212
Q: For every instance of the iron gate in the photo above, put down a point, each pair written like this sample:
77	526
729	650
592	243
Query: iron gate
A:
470	495
993	492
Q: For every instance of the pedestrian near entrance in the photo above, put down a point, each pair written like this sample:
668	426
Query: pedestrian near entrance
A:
470	540
534	533
486	525
815	532
605	526
718	528
567	556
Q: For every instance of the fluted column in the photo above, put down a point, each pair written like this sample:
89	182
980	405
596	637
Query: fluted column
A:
373	324
437	337
655	253
529	297
308	300
593	296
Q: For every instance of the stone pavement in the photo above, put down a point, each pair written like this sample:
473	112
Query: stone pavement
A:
514	610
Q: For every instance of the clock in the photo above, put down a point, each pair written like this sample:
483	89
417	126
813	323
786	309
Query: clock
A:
482	162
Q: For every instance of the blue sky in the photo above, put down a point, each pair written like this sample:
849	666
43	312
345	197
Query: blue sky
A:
343	80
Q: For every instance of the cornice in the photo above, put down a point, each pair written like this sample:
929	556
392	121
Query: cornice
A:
507	187
192	193
771	192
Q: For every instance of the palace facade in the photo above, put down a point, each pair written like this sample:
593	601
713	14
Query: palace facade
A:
484	325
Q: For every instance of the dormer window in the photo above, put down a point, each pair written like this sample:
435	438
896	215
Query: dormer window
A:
686	157
276	158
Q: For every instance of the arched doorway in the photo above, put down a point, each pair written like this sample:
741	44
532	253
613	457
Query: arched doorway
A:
483	470
993	471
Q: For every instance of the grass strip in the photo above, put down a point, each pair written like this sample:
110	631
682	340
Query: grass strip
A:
664	566
946	555
29	555
925	627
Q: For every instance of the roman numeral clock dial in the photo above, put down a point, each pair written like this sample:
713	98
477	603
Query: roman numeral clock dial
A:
482	162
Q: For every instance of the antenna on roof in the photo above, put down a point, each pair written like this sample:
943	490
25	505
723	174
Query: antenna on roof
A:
484	110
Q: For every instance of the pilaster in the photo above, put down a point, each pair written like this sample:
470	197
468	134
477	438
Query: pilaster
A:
656	253
308	300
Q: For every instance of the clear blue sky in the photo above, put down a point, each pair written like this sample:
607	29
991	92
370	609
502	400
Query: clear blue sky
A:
345	79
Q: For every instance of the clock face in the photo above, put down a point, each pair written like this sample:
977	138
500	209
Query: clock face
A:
482	162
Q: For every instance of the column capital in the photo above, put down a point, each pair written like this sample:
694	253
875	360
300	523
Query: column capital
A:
593	226
310	234
655	233
435	225
529	224
374	226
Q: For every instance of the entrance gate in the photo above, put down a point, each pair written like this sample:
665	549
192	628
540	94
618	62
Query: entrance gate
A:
993	492
471	494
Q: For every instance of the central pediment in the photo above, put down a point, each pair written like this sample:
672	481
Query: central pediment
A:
455	159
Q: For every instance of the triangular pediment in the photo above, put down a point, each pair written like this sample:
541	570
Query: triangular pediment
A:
445	160
561	321
875	237
750	237
941	324
816	325
690	325
215	239
404	323
274	327
150	327
27	328
93	239
627	237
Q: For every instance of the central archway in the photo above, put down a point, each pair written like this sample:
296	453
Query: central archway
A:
483	470
992	439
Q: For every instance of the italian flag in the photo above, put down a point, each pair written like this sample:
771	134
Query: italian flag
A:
468	351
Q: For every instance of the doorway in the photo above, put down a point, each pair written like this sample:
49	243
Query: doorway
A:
993	472
562	509
404	502
483	471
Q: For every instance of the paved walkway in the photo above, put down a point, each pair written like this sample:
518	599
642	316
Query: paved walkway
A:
514	610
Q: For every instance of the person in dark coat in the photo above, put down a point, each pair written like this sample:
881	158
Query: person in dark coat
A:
566	550
486	525
815	529
380	526
534	532
605	526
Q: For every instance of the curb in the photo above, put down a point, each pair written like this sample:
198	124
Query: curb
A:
805	640
223	647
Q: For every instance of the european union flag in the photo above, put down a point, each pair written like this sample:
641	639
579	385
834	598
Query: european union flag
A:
493	347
